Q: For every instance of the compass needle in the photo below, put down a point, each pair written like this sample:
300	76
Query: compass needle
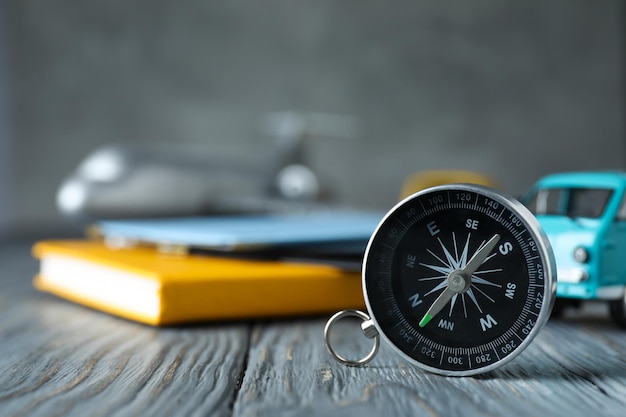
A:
459	292
480	255
459	280
437	306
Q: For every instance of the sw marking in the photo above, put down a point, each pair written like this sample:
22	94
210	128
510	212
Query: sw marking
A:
510	290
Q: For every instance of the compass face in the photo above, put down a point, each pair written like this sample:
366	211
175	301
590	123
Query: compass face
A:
459	279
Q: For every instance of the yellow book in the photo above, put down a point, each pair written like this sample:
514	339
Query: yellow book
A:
160	289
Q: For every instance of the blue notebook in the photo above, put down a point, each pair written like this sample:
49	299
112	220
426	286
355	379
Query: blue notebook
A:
330	231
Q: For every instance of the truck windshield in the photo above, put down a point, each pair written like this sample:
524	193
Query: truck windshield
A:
570	202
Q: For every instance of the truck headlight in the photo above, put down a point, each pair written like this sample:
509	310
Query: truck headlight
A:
572	275
581	255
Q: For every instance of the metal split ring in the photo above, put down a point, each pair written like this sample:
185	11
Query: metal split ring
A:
368	329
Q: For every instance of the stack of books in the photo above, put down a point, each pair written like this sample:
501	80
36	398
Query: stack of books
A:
172	271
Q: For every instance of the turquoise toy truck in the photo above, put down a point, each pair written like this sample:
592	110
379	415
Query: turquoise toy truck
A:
584	216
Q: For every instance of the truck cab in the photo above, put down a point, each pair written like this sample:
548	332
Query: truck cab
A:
584	216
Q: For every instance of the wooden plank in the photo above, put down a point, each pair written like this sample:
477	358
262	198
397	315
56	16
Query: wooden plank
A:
59	359
575	367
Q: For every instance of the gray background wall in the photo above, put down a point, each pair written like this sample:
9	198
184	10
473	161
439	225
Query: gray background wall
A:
512	90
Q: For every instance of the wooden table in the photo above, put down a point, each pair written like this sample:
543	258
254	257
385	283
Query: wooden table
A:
60	359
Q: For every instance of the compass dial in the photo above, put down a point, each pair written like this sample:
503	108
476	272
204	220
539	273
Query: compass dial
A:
459	279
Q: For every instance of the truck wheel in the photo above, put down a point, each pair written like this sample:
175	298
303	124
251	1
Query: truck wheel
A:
561	304
617	309
557	310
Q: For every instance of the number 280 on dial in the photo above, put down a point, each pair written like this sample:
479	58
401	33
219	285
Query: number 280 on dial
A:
459	279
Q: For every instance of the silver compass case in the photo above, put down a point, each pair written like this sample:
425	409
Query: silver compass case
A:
459	279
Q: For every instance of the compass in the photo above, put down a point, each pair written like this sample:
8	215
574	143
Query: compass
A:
458	279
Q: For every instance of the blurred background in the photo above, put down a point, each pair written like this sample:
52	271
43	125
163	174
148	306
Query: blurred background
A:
513	91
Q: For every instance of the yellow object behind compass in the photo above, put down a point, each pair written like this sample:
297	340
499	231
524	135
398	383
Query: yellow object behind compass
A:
425	179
